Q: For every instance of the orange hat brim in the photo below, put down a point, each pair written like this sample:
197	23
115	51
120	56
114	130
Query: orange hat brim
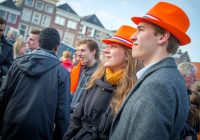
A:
109	41
181	36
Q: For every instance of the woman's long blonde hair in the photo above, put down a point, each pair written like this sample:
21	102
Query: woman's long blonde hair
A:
19	43
125	85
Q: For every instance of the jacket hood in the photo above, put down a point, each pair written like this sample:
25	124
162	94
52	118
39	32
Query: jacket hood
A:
37	62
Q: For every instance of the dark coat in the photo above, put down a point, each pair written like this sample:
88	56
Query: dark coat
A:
156	108
36	98
84	78
6	57
92	118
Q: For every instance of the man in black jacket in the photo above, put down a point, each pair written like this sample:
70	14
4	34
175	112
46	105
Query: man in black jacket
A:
35	96
6	52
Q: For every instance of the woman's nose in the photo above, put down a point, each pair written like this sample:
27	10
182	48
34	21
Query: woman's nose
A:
106	50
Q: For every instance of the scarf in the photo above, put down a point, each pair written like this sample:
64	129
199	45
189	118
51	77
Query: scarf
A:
114	77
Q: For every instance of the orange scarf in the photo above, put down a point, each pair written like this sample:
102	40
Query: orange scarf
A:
114	77
75	74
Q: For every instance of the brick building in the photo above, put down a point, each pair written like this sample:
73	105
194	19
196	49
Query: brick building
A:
38	14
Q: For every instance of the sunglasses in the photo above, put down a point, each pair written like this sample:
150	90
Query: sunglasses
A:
1	30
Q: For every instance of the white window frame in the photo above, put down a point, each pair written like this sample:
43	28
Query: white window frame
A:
5	14
72	24
69	38
59	20
46	20
28	4
49	8
92	33
33	18
25	31
60	33
11	20
83	29
41	3
26	14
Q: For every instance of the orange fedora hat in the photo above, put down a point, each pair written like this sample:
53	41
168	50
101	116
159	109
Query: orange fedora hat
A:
171	18
122	36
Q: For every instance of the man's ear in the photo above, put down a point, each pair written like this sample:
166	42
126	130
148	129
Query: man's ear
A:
94	52
55	49
164	37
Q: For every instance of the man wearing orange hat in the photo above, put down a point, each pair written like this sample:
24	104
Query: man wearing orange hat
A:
157	107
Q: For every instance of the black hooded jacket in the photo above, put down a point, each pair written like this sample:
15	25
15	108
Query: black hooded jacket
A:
35	98
6	57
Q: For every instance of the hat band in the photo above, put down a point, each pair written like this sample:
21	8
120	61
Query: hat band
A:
150	16
121	39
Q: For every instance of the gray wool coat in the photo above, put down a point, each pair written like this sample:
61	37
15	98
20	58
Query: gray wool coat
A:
156	108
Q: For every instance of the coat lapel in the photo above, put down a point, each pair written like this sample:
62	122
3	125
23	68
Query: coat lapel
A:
167	62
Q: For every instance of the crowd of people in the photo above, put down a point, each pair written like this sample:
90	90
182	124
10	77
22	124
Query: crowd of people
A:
136	91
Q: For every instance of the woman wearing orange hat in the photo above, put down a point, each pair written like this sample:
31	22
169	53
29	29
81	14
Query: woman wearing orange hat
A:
106	90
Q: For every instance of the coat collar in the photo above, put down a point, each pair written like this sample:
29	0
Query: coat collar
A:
168	62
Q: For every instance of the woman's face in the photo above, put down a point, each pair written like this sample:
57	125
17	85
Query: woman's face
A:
114	57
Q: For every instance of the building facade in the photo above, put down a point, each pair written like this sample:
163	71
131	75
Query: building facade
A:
38	14
11	13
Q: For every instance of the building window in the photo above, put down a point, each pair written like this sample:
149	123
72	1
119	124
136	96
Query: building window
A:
97	35
49	8
36	18
46	21
12	18
60	33
68	38
29	2
83	29
26	14
72	24
60	20
92	34
3	14
39	5
23	29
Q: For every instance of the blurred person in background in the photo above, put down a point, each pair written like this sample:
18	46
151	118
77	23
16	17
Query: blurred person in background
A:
192	127
19	48
66	61
6	52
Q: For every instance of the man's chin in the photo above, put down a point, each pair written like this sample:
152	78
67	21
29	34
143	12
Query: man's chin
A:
83	63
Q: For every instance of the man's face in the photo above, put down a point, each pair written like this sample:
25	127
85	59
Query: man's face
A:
2	28
145	43
84	54
33	41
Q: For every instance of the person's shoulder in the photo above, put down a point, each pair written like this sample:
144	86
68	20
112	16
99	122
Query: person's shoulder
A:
7	43
63	70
